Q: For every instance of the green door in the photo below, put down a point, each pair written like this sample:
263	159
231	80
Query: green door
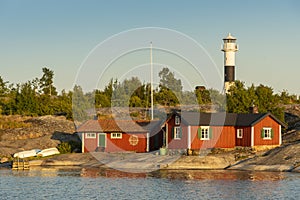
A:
102	140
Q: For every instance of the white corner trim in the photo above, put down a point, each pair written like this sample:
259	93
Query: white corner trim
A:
252	136
189	137
147	142
280	138
82	142
167	137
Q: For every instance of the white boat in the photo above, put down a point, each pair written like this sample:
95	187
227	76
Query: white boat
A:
48	152
27	154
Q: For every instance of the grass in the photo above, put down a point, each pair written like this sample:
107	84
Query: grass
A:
10	122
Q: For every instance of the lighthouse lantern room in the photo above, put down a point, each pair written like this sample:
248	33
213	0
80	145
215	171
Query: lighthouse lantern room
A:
229	49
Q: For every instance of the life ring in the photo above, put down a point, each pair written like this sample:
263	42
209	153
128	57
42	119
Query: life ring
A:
133	140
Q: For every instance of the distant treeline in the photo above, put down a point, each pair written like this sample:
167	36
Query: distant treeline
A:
39	97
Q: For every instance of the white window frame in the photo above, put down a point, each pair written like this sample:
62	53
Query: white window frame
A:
205	133
90	135
177	120
116	135
177	133
239	133
267	133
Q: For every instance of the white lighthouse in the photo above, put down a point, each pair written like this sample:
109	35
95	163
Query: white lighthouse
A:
229	48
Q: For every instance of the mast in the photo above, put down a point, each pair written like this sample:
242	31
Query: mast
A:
151	80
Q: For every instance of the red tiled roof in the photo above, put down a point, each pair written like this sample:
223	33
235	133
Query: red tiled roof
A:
110	125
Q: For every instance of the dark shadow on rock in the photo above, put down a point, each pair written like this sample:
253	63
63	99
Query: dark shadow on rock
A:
292	120
65	137
73	139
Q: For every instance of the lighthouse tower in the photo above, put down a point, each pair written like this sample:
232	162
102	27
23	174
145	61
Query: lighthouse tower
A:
229	48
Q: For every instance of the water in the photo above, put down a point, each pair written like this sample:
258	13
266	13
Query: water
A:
76	183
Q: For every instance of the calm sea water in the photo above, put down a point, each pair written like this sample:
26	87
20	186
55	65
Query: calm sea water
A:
72	183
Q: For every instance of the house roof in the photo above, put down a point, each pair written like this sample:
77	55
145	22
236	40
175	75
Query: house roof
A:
224	119
111	125
250	119
206	119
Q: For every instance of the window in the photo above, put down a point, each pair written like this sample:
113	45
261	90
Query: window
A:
90	135
239	133
116	135
177	120
177	133
204	133
267	133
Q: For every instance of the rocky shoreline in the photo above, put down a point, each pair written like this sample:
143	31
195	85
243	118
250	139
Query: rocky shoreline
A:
145	162
50	131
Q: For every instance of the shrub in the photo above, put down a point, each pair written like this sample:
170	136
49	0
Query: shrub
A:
68	147
64	147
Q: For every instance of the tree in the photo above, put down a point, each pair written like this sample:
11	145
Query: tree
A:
217	99
135	101
46	82
131	85
3	93
166	97
240	98
170	88
63	104
26	100
203	96
168	80
269	102
266	100
142	92
119	96
286	98
80	104
9	107
189	98
101	99
3	87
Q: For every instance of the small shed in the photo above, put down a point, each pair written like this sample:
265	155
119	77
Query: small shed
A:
109	135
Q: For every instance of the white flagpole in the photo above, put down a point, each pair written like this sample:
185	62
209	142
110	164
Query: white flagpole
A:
151	80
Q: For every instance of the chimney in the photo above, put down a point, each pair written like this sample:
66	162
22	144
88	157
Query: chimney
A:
253	109
200	88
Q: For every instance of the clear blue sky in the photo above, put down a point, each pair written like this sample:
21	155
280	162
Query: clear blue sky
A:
60	34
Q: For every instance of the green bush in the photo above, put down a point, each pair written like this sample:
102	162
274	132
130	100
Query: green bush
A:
64	147
68	147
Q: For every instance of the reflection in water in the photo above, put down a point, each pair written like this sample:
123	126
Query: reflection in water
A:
185	174
106	183
165	174
109	173
219	175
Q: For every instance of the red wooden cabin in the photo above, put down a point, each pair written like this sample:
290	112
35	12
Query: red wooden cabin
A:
120	135
194	130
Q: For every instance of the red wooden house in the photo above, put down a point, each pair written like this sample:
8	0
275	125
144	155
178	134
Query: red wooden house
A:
120	135
194	130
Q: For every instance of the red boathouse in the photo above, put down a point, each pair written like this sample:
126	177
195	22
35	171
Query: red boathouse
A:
120	135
